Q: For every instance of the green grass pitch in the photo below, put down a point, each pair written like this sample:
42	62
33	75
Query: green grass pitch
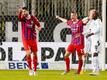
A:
49	75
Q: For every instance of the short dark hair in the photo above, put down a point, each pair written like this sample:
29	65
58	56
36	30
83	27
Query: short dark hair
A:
73	11
25	8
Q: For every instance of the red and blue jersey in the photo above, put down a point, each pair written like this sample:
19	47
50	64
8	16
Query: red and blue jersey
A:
28	27
76	29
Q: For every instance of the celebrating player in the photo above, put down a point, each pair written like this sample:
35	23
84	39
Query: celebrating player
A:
77	43
93	39
29	23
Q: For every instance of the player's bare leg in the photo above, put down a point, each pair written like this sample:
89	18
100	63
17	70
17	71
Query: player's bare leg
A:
85	56
35	62
29	61
67	61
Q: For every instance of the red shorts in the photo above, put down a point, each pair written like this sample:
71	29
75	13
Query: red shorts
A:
30	45
79	48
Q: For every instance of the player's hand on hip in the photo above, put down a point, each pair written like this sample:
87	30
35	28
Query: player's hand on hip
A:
38	28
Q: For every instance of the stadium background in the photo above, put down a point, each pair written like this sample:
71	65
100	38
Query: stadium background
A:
45	11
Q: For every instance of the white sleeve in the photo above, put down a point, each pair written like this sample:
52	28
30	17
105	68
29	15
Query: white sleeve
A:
86	29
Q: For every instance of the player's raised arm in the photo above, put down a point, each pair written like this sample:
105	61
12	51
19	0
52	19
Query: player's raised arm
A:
19	11
62	19
85	20
19	14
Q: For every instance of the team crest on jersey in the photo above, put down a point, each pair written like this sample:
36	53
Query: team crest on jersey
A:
74	28
30	25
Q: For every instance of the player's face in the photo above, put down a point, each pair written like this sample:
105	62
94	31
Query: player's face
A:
25	13
73	16
91	14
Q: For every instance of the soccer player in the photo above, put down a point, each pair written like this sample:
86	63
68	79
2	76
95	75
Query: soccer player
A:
29	23
77	41
94	29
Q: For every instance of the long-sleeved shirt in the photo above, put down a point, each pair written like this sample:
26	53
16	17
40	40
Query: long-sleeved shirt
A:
94	26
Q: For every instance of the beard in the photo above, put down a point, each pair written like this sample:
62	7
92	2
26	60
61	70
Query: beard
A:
26	15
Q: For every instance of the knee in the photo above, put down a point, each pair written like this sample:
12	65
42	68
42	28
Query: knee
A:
80	57
34	53
66	54
95	54
28	53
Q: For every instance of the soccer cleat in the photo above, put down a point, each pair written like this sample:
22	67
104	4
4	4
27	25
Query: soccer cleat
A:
65	72
82	71
94	73
30	72
34	73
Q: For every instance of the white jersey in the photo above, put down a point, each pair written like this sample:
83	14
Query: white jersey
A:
93	26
